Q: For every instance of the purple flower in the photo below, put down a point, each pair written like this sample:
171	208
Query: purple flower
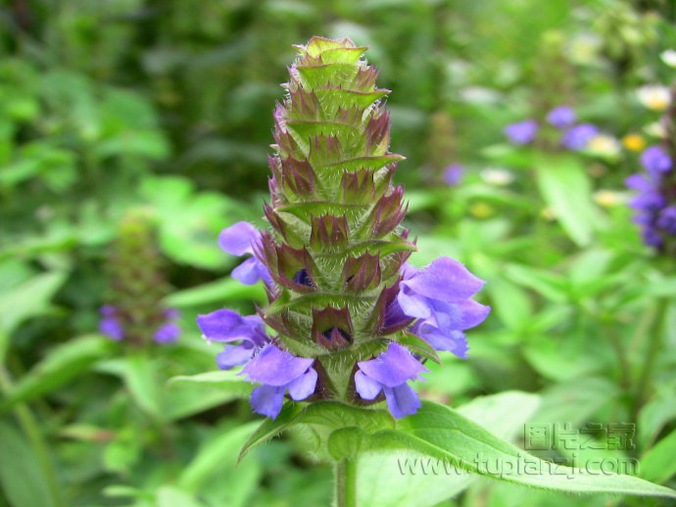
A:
439	296
579	136
667	220
656	161
228	326
453	174
522	132
389	372
279	371
110	324
561	117
239	239
169	331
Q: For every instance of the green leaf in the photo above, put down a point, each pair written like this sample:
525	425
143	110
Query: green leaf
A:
169	496
345	443
658	464
565	187
187	396
270	428
326	415
28	299
139	377
20	476
216	456
63	364
420	347
443	434
414	487
219	291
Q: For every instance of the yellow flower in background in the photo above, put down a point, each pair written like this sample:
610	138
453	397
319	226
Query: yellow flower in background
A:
608	198
481	210
633	142
655	97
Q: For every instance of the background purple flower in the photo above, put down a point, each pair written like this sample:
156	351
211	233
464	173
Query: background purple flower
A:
522	132
239	239
228	326
656	161
561	117
390	372
453	174
439	296
579	136
279	371
169	331
110	324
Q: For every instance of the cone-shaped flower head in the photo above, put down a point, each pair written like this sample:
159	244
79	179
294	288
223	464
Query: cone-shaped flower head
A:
333	260
135	312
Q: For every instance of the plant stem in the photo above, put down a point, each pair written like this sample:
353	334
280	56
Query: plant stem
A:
32	431
346	483
654	346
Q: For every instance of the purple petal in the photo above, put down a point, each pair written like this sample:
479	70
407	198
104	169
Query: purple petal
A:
303	386
234	355
108	310
408	271
393	367
638	182
459	315
367	388
521	133
453	174
402	400
276	367
238	238
656	161
267	400
167	333
450	340
112	328
228	325
413	304
250	271
579	136
561	117
444	279
394	315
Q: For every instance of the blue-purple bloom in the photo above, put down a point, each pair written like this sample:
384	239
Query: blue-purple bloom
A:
561	117
110	324
439	296
242	335
667	220
239	239
453	174
389	373
279	371
654	201
656	161
169	331
579	136
522	132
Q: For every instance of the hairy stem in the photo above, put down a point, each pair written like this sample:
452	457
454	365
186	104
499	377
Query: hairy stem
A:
346	483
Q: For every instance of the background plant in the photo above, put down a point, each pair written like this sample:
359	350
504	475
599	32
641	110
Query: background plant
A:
167	105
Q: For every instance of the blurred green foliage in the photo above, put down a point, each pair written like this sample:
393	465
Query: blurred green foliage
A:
166	105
